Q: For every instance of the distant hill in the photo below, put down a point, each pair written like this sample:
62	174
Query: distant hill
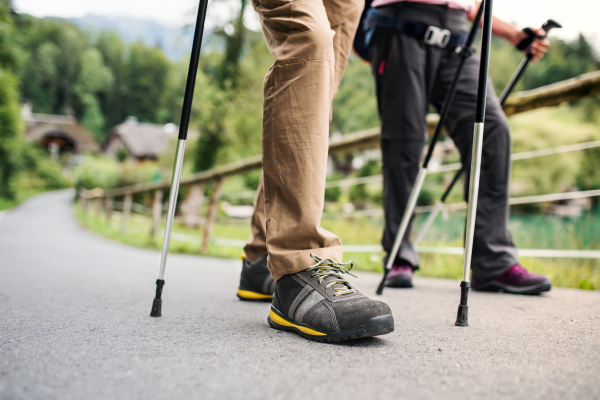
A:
176	42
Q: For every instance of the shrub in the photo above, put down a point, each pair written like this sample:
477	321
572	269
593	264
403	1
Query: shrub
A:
97	172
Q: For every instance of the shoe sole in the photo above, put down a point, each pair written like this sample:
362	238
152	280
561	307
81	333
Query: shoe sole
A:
376	326
496	287
249	295
398	282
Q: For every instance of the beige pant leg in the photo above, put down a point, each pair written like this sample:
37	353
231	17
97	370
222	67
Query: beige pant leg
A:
297	99
256	246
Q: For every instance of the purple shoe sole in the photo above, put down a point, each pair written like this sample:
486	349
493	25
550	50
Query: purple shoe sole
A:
399	281
494	286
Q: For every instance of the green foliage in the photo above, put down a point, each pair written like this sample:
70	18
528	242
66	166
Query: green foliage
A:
97	172
106	173
10	129
146	72
94	77
589	175
359	195
333	194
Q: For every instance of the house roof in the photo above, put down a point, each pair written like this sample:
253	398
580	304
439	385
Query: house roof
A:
143	139
40	125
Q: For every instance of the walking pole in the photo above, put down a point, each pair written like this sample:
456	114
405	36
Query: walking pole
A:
464	52
437	207
183	128
462	317
513	81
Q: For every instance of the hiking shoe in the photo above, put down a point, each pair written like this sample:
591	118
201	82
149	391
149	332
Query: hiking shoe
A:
516	280
256	282
319	304
400	276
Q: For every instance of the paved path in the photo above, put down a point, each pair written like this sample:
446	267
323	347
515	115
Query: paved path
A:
74	324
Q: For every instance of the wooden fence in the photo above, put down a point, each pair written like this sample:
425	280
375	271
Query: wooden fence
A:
102	201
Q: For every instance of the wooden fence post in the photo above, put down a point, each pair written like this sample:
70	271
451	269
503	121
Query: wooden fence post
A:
193	206
156	213
109	204
126	212
83	200
211	214
98	206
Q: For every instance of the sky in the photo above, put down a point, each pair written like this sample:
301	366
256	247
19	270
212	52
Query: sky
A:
575	15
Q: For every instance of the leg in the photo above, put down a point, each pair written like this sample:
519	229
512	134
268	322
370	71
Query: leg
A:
256	247
297	93
343	17
493	249
404	70
311	300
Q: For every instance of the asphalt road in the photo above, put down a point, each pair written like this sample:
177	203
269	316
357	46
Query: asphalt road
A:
74	324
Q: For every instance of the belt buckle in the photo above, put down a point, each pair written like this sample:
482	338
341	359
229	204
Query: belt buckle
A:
435	36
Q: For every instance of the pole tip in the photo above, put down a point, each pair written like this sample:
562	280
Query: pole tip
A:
462	316
156	308
382	283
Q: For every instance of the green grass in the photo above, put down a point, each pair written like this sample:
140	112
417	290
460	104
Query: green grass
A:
530	231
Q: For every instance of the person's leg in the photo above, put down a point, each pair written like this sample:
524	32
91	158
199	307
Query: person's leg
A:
311	296
494	260
493	249
256	246
343	17
344	22
404	69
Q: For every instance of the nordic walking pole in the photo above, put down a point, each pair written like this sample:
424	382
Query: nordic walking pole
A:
517	75
462	317
507	90
464	52
183	128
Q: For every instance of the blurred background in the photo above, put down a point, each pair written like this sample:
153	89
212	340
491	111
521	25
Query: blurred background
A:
91	95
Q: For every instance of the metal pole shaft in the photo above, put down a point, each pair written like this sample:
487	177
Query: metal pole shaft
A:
172	205
462	316
437	208
410	206
513	80
183	128
473	196
430	218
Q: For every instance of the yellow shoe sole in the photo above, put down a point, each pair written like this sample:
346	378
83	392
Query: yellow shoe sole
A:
253	296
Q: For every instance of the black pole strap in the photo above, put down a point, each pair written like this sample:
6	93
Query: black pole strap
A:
191	78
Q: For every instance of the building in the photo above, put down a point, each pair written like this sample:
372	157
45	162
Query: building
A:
58	133
139	141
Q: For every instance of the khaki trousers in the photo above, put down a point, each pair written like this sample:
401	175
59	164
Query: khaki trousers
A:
311	41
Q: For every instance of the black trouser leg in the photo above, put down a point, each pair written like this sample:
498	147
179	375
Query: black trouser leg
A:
404	70
493	249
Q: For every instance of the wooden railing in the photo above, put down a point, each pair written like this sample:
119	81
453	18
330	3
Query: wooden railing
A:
103	200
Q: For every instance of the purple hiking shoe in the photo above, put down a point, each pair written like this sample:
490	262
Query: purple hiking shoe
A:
516	280
400	276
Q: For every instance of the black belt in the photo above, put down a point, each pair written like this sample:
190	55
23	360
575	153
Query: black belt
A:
431	35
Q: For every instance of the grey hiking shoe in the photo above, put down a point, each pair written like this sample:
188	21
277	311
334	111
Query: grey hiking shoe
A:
256	282
319	304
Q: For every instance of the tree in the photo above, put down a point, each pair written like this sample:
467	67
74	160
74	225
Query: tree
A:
10	119
94	77
146	72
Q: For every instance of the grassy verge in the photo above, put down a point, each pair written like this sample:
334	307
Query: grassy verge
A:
572	273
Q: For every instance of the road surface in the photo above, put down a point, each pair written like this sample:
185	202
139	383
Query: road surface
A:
74	324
